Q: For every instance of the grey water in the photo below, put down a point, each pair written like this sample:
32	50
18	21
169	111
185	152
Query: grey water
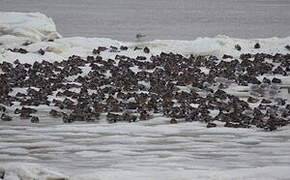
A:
162	19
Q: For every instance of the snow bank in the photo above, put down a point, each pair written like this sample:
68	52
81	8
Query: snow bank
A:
33	26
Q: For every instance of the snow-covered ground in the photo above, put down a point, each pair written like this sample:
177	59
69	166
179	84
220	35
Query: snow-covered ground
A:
143	150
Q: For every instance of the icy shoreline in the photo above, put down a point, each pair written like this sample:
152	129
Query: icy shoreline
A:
33	31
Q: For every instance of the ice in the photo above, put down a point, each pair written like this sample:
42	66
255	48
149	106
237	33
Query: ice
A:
16	171
18	151
88	154
65	47
8	41
136	151
249	141
35	26
267	173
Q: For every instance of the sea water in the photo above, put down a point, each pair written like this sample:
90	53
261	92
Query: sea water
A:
162	19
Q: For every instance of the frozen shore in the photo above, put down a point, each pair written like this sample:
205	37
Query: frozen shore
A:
36	28
145	150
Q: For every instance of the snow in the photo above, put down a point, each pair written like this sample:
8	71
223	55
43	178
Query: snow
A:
143	150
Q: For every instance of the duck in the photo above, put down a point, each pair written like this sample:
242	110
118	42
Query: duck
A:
5	117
